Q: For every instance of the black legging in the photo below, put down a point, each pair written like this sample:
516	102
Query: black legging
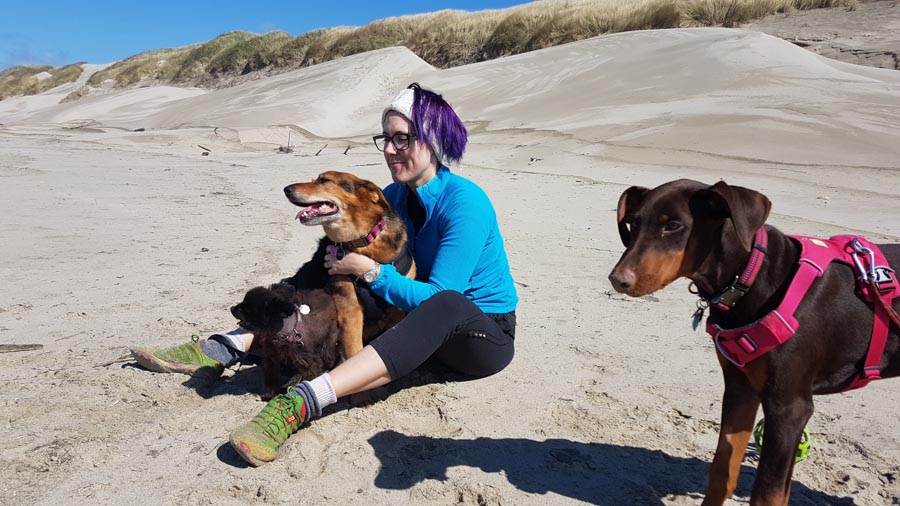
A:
454	330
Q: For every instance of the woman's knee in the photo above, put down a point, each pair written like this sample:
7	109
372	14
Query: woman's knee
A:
478	365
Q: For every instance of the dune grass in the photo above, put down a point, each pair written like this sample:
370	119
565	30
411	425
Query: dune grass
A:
444	39
246	56
137	68
30	79
310	48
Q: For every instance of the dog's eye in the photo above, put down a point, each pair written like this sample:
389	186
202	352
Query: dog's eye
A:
672	226
322	180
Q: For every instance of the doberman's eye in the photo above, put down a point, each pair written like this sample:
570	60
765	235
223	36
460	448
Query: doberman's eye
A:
322	180
672	226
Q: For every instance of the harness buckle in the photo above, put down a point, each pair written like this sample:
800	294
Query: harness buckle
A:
879	275
871	373
730	296
883	279
721	349
746	343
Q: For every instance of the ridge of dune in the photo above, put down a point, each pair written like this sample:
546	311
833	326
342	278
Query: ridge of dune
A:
327	99
704	89
330	99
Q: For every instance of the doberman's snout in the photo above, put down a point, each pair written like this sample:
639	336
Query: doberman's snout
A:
622	279
289	190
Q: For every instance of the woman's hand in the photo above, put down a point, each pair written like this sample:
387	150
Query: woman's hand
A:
351	263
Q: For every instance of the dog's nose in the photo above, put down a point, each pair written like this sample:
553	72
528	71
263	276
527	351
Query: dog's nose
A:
288	190
622	279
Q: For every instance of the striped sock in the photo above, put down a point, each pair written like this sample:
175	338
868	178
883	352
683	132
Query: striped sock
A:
317	395
302	390
219	349
324	390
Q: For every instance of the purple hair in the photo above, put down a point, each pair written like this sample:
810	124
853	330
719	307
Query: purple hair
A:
438	124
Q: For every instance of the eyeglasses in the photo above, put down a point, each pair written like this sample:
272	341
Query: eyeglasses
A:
399	140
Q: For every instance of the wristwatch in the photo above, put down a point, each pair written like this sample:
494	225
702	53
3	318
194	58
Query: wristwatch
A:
372	274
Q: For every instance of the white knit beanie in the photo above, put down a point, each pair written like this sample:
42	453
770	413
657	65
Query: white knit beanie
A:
402	104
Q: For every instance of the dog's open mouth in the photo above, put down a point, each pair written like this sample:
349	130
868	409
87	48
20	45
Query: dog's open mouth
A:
315	212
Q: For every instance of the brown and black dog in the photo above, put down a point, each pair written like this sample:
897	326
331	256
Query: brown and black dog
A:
705	233
298	329
356	216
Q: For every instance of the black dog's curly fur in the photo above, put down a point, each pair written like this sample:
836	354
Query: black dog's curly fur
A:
263	311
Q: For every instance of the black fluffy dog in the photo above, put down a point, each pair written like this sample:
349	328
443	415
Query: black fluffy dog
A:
298	330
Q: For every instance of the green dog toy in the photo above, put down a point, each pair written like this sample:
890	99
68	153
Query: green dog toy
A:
802	448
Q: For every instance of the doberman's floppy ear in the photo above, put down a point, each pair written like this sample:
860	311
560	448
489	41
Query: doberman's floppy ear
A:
630	200
747	209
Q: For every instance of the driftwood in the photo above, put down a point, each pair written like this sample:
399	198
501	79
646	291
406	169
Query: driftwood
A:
204	148
319	151
12	348
346	150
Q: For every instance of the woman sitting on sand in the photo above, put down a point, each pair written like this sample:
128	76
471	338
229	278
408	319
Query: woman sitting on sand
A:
461	306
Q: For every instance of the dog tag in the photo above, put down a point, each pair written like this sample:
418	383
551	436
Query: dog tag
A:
304	309
698	316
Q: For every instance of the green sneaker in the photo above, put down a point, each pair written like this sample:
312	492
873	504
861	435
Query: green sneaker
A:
184	358
257	441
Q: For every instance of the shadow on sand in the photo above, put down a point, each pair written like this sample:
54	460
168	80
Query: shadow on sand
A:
592	472
248	378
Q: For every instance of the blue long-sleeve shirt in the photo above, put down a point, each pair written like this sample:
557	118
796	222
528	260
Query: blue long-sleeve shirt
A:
459	247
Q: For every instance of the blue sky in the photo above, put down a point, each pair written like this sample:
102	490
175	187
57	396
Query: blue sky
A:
61	32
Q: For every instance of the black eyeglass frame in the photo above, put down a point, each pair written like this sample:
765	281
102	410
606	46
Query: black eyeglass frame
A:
392	140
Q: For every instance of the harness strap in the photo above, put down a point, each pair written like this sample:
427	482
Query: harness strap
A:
744	344
884	313
807	272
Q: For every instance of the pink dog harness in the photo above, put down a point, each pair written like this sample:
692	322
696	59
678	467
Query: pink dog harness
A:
742	345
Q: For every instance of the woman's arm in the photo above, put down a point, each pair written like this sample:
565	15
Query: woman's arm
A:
461	237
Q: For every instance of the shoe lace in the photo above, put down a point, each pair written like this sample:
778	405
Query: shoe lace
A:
278	419
189	353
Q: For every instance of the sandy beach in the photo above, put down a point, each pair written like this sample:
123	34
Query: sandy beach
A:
113	237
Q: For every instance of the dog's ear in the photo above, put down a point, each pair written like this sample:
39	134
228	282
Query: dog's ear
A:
375	193
282	299
747	209
629	201
280	305
284	290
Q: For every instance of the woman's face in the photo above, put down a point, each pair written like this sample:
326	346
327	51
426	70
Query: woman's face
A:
413	166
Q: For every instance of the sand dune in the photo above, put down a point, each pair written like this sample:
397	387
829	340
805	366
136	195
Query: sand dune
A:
113	237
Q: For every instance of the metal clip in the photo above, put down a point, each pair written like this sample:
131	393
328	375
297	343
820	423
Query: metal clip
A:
865	273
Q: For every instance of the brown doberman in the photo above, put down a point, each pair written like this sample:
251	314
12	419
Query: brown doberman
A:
707	234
